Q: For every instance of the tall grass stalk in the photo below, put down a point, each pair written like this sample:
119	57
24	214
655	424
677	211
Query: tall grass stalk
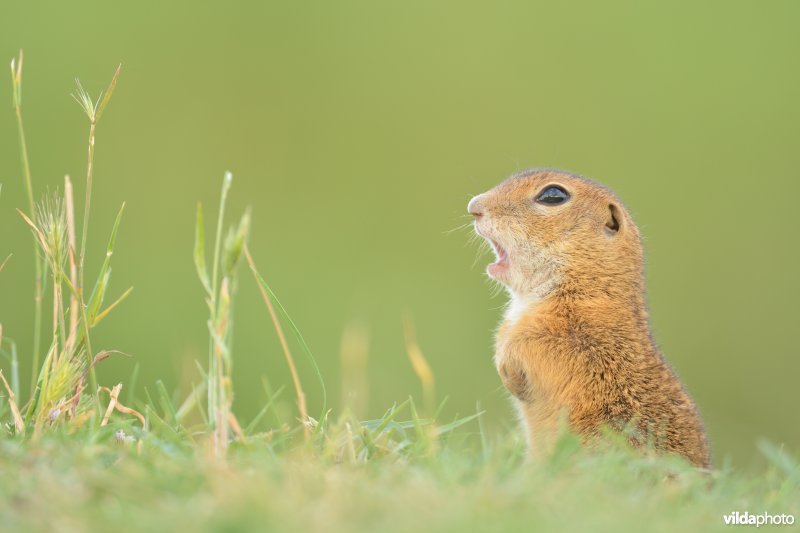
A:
220	288
16	83
94	110
69	204
215	395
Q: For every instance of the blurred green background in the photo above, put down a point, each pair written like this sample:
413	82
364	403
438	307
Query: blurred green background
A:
358	131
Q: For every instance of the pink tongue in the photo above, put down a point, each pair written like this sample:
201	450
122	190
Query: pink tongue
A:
498	267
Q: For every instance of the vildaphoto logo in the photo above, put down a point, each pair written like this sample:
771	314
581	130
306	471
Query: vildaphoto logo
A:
764	519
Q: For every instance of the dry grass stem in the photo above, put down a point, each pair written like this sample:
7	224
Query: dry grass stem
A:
114	394
301	397
115	405
19	423
235	426
73	268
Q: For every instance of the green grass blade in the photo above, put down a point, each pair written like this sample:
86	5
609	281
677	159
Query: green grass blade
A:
163	429
41	382
226	186
389	418
192	401
264	410
199	251
300	339
11	355
106	97
439	409
422	437
781	459
166	403
131	385
100	316
96	298
448	428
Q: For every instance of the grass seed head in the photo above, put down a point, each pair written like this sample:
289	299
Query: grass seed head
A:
63	380
51	219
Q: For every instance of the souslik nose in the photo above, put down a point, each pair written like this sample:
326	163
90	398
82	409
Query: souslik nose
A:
474	206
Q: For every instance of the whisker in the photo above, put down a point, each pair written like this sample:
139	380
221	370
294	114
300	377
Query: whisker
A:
498	308
473	238
483	248
497	287
458	228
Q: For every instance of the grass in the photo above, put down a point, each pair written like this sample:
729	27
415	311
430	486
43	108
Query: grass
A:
89	481
75	456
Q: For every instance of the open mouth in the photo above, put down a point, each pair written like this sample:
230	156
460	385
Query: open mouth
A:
499	267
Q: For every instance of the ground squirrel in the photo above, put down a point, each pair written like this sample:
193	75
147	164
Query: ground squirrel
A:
575	339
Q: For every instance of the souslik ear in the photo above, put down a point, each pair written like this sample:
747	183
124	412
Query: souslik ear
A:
613	219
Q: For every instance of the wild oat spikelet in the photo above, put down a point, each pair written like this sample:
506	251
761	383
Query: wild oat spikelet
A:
60	388
51	219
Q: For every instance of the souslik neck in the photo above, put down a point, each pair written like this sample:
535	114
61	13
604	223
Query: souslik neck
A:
568	293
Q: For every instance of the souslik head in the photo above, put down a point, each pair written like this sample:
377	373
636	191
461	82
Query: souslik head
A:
548	228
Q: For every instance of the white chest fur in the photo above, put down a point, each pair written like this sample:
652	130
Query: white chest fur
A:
519	306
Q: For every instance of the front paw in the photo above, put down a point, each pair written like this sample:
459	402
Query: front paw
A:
515	379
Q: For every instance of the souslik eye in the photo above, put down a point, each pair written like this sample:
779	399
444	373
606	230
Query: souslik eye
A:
552	195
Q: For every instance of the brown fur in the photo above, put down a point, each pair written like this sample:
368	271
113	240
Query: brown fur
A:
576	338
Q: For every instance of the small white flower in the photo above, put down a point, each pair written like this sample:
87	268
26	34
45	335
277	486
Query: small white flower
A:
122	438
